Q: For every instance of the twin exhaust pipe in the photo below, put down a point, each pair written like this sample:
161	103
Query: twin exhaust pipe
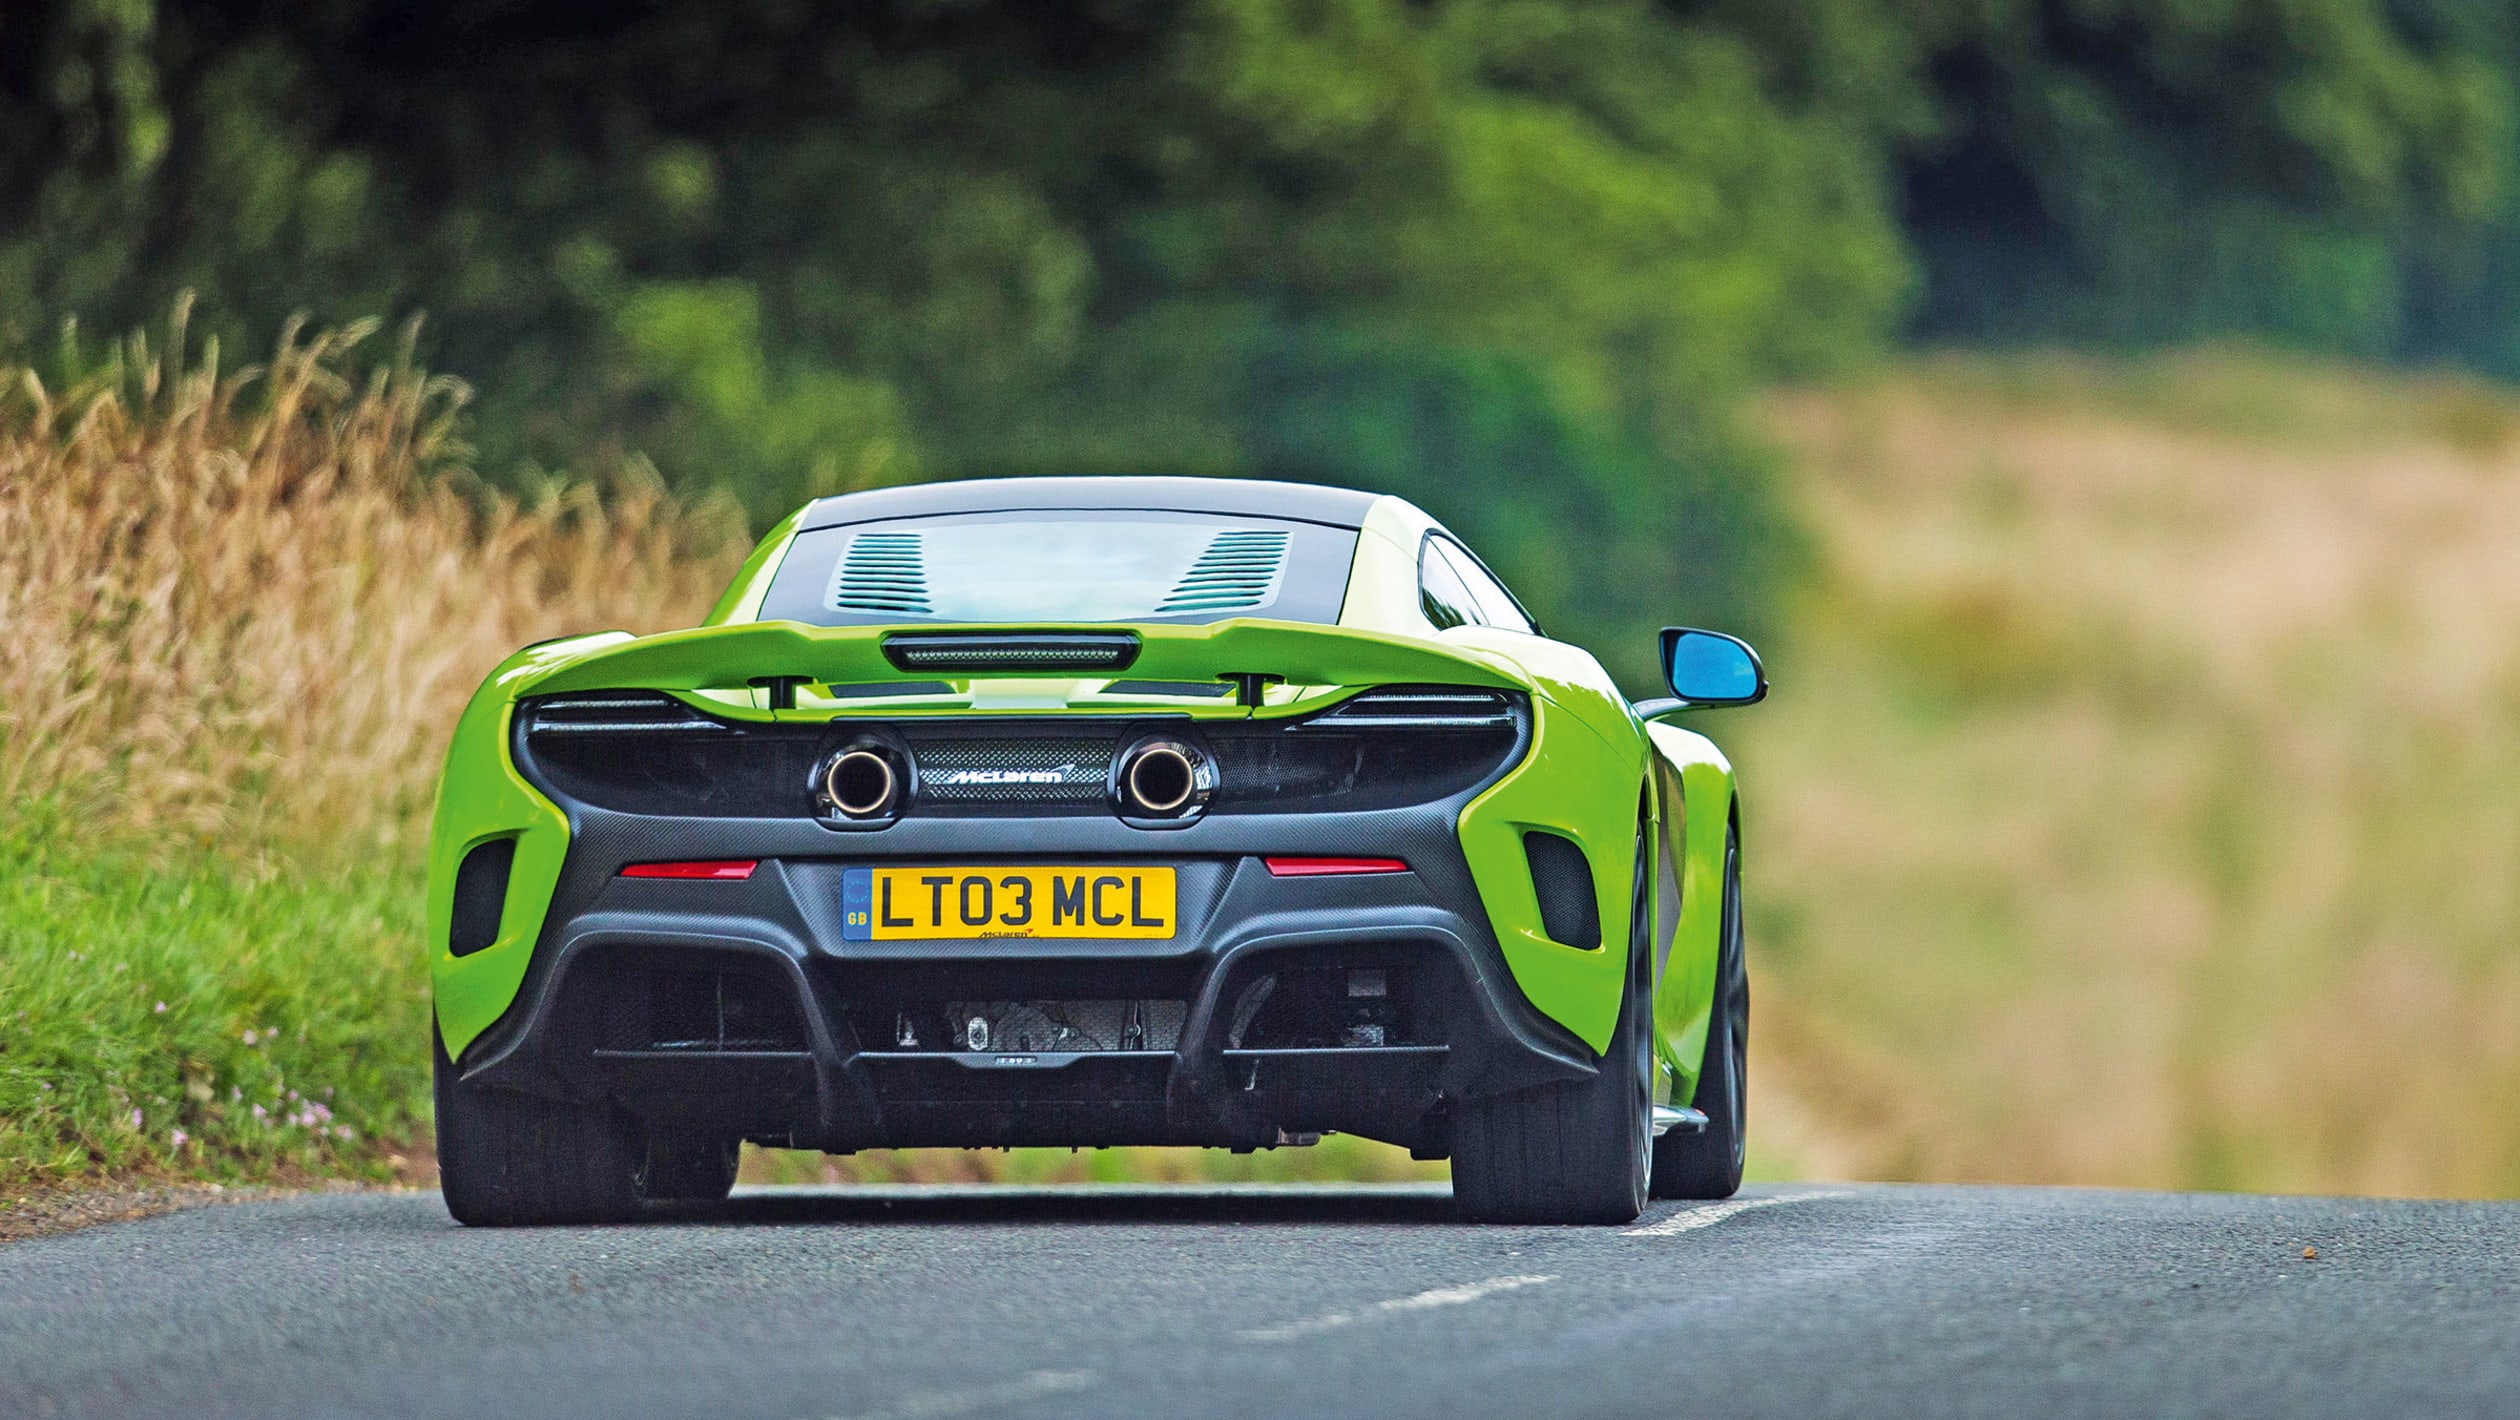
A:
861	783
1164	779
1159	779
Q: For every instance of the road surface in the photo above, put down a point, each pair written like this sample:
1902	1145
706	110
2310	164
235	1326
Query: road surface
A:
1793	1301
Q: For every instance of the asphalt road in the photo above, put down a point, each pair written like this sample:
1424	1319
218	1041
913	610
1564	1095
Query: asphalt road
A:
923	1304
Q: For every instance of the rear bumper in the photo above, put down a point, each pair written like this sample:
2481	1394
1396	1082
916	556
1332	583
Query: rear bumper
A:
839	1046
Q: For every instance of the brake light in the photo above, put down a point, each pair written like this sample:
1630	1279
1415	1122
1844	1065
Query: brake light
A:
720	872
1331	867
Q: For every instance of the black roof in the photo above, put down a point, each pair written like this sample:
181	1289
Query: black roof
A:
1250	497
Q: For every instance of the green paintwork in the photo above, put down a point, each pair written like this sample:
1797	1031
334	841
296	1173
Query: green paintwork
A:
482	797
1595	772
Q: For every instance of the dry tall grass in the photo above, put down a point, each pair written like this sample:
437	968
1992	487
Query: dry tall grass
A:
249	604
2141	799
243	610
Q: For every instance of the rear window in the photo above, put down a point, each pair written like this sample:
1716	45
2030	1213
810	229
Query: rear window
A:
1044	566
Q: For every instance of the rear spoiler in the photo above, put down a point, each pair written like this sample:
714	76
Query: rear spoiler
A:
784	654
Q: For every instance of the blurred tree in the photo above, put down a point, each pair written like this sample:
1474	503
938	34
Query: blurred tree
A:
2133	171
1507	254
794	248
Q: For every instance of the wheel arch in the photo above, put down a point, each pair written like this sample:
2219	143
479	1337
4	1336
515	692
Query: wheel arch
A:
1710	808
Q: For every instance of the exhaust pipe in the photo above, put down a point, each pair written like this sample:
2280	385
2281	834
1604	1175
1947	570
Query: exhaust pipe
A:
1162	778
861	783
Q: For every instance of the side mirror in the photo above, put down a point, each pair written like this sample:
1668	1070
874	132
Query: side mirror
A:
1706	669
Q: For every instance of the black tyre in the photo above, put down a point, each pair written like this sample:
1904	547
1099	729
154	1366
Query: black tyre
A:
1573	1152
506	1159
1708	1164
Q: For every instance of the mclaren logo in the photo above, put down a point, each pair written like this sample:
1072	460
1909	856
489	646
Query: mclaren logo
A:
985	778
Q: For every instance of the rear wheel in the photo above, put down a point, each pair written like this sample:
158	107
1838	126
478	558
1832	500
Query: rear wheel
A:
1708	1164
506	1158
1577	1151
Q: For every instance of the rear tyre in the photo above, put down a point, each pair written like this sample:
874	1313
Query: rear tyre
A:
507	1159
1708	1164
1577	1151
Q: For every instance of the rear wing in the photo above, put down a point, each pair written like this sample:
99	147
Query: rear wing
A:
782	655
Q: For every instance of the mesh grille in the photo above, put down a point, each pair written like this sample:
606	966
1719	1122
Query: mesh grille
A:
883	572
1000	771
1238	570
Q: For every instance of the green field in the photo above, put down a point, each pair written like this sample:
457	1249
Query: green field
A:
2140	795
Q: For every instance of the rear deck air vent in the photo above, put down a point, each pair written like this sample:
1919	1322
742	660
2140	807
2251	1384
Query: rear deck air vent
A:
882	572
1420	708
1564	882
1019	653
1239	570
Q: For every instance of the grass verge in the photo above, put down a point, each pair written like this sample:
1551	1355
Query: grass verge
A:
202	1015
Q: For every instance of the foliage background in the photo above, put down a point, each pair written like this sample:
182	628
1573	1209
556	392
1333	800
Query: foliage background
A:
1529	262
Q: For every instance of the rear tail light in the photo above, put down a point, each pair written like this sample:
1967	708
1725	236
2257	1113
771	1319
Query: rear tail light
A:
723	871
1430	707
1332	867
616	712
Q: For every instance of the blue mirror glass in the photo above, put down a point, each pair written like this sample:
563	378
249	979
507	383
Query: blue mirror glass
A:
1710	668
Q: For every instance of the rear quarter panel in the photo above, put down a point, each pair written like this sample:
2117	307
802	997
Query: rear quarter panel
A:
1585	779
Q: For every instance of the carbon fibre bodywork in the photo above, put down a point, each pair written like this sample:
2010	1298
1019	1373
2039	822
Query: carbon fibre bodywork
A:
1395	994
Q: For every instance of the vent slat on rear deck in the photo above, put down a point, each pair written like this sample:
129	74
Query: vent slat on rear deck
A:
882	572
1238	570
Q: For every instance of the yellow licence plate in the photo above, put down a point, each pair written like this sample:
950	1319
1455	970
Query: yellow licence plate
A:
892	904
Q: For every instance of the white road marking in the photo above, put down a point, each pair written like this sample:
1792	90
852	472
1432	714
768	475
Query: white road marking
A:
1689	1220
943	1404
1439	1297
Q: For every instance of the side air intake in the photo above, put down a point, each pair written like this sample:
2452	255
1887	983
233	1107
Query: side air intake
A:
1564	883
481	883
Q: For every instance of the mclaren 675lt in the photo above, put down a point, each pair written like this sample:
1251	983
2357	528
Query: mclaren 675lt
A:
1091	811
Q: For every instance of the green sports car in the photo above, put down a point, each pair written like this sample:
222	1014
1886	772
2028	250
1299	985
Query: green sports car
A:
1091	811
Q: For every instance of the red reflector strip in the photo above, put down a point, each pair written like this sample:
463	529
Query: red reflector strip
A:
734	872
1331	867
